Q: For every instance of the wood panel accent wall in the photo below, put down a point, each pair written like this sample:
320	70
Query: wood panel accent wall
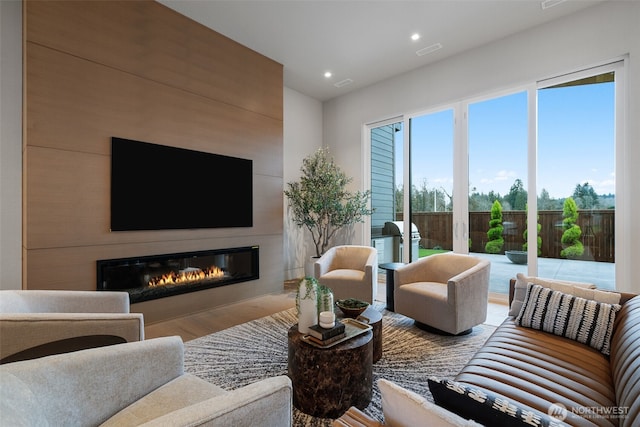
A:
139	70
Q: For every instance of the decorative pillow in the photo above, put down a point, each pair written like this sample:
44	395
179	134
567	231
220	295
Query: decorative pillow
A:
586	321
520	289
597	295
485	407
404	408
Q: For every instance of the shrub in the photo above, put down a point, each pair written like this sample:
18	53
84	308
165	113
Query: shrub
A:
494	246
525	236
495	243
573	252
571	244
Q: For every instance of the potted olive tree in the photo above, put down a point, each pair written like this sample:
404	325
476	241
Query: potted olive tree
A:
320	202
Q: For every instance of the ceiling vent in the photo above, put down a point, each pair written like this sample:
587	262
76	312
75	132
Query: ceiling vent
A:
546	4
342	83
429	49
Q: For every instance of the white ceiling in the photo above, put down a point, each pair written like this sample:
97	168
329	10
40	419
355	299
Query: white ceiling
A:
364	40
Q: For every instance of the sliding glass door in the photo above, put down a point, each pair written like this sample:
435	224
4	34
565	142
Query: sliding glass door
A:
431	178
526	178
387	189
577	176
497	184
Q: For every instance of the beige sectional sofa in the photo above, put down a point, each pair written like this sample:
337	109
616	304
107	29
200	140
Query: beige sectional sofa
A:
139	383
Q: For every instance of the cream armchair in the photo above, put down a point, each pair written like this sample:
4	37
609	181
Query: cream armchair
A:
36	323
350	271
132	384
448	292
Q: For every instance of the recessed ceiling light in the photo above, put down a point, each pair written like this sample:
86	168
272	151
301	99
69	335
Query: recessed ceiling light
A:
429	49
415	36
328	74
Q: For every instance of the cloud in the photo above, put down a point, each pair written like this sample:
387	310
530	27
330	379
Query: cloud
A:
500	177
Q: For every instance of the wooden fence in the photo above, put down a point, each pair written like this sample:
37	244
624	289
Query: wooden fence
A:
598	232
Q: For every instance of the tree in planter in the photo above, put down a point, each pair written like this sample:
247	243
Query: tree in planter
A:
320	202
495	243
526	234
572	246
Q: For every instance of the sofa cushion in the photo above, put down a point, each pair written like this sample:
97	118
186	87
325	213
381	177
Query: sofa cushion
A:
608	297
343	274
264	403
17	402
520	289
404	408
486	407
176	394
586	321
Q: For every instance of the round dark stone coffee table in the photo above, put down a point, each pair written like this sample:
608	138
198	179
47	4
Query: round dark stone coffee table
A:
328	381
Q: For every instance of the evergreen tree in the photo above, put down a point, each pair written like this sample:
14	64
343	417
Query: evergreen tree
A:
517	196
399	198
544	201
585	196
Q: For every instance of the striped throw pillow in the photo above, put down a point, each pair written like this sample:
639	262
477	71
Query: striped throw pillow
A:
586	321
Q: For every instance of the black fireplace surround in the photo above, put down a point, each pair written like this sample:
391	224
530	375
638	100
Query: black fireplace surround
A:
157	276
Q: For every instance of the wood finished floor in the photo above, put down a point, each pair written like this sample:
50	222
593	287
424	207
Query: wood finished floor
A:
214	320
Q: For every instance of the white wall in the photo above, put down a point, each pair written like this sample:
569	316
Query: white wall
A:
302	136
591	37
10	144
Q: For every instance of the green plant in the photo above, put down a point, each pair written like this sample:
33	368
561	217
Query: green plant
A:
320	202
352	303
525	235
325	298
495	243
310	287
571	244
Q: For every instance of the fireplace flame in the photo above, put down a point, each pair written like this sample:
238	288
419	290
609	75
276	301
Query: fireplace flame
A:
186	276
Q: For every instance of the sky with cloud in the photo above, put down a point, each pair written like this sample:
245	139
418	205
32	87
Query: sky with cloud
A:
575	142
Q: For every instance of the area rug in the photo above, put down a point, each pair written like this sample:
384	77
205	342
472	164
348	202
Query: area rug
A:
256	350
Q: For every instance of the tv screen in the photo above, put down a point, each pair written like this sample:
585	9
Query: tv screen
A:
156	187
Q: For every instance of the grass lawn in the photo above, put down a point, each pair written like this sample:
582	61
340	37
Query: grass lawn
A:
426	252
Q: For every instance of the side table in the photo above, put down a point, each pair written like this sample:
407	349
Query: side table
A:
391	267
373	318
328	381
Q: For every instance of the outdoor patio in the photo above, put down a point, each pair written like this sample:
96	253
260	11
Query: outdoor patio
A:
602	274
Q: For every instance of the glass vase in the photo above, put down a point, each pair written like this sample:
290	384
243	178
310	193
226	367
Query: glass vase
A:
325	299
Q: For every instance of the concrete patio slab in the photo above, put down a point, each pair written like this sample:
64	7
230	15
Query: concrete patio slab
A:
602	274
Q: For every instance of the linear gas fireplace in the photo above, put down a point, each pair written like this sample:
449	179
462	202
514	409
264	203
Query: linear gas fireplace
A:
157	276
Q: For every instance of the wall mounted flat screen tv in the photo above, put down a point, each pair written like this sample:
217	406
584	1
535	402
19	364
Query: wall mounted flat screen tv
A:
156	187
